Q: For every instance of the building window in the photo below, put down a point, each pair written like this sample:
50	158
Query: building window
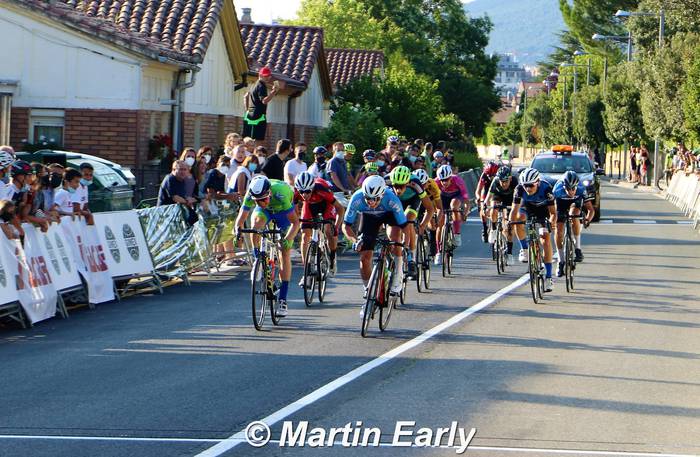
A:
47	126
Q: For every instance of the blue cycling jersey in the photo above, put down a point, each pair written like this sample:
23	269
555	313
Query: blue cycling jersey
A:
390	203
561	195
540	199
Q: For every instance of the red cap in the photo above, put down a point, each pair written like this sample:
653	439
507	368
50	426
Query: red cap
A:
265	72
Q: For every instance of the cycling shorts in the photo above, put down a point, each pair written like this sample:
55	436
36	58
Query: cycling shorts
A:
447	199
311	210
412	205
563	207
370	226
281	218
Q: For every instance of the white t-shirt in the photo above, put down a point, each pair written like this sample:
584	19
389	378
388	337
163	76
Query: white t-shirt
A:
241	170
80	196
63	199
294	167
3	190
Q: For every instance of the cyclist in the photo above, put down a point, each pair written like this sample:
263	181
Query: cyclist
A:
501	194
370	169
317	198
535	197
433	192
370	157
271	199
378	205
454	195
412	197
570	197
482	191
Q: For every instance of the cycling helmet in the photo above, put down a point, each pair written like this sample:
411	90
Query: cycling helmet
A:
374	187
6	159
320	150
393	139
20	167
438	155
372	167
349	147
570	179
422	175
444	172
259	187
304	182
400	176
491	169
369	154
529	176
504	173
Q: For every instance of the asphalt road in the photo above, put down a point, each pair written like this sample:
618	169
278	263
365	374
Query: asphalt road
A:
613	367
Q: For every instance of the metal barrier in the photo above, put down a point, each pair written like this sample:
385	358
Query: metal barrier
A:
684	192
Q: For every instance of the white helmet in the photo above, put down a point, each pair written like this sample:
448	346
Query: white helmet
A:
259	187
422	175
304	182
374	187
6	159
529	176
444	172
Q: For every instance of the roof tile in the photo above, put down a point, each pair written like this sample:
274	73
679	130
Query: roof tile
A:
345	65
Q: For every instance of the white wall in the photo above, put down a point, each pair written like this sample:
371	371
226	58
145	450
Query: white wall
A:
156	85
213	89
58	68
311	108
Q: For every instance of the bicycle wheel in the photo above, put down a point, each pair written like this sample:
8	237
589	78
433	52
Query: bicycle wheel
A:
540	270
322	268
309	273
404	280
272	291
569	266
420	256
388	301
450	251
499	253
534	272
370	302
444	249
258	287
426	263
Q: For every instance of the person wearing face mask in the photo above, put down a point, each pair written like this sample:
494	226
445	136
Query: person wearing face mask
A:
18	188
33	184
215	181
273	167
338	170
297	165
63	201
9	222
238	184
318	168
80	197
205	154
44	194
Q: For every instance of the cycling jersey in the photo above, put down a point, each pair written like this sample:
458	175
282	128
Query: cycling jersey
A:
501	195
281	204
321	201
564	201
433	191
538	204
455	189
390	203
485	181
413	189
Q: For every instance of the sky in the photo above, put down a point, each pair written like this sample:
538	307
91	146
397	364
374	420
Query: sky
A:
264	11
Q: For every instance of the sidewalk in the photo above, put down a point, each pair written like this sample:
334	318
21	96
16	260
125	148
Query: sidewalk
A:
634	186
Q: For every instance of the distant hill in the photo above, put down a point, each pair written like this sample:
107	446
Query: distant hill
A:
526	28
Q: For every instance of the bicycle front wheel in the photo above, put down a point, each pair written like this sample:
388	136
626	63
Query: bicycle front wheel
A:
309	275
388	301
533	268
569	266
371	300
322	268
420	259
258	287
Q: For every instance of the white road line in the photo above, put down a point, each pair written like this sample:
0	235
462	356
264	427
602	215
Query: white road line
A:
606	221
684	222
107	438
238	438
643	221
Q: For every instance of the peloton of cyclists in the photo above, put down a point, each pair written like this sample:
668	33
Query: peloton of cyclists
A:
571	197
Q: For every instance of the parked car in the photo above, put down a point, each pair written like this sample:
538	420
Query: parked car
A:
554	163
112	187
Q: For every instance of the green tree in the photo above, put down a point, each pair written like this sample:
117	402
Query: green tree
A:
691	97
356	124
623	114
536	120
588	123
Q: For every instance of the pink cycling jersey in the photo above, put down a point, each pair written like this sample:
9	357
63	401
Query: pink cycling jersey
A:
456	188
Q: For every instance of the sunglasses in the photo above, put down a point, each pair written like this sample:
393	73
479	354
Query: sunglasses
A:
304	192
372	199
528	186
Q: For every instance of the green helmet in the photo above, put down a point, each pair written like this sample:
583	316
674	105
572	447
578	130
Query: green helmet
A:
400	176
372	167
349	147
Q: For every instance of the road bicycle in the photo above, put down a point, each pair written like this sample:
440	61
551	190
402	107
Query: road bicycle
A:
570	251
317	262
263	277
499	249
447	247
379	296
535	257
422	260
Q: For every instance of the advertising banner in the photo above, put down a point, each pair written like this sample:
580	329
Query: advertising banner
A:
35	289
56	249
89	256
8	267
122	236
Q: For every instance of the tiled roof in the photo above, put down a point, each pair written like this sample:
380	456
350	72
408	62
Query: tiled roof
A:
290	51
175	29
502	115
345	65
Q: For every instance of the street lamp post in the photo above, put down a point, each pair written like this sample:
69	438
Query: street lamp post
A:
621	14
588	74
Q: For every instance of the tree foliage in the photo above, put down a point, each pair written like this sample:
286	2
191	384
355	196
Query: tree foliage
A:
588	122
623	114
356	123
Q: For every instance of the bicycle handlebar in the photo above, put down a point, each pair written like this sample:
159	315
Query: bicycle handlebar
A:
261	232
318	221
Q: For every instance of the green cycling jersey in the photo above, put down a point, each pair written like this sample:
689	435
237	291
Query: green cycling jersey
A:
281	198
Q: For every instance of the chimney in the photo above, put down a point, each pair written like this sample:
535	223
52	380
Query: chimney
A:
246	19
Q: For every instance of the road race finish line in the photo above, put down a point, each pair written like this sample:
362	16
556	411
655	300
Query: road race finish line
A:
259	429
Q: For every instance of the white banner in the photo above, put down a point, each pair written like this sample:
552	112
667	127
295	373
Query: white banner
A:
35	289
8	267
89	256
122	236
56	249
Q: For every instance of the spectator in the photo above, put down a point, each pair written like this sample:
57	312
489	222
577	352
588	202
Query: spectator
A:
174	189
238	184
297	165
633	165
643	161
9	149
200	172
215	181
318	168
63	201
338	171
273	167
428	156
205	153
438	160
261	152
256	101
9	222
413	154
80	197
238	155
33	186
57	168
44	195
232	140
250	147
6	160
420	143
17	189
